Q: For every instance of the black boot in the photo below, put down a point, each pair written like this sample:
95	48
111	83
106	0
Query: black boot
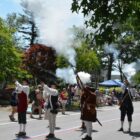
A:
87	138
50	135
121	129
21	134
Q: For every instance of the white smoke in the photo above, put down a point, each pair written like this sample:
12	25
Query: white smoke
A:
111	49
129	69
54	17
85	77
137	65
68	75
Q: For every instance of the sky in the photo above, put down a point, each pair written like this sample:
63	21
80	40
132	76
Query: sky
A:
9	6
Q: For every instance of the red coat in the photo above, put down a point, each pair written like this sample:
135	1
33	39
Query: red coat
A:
22	102
88	106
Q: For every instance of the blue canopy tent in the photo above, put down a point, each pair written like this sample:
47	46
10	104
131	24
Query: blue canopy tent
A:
111	83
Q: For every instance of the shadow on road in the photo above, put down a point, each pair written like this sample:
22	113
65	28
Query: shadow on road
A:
53	139
28	138
22	138
94	130
57	128
134	135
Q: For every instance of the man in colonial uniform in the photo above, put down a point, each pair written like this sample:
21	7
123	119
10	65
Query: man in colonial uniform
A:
88	111
23	92
126	106
51	95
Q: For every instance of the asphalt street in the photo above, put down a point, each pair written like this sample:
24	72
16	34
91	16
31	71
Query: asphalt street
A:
67	126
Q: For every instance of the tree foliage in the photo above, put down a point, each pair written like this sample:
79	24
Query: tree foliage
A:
40	61
106	16
61	61
87	59
128	42
136	78
10	56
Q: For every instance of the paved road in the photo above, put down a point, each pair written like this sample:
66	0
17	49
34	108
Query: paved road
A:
67	126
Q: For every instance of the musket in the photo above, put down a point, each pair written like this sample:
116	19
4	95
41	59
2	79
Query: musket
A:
79	82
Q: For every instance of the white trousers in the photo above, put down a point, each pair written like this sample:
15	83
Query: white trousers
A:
88	125
52	121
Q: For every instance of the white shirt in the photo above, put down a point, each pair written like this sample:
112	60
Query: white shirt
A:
20	88
49	91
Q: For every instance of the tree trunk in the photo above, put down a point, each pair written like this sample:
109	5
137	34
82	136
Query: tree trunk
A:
110	66
33	34
120	67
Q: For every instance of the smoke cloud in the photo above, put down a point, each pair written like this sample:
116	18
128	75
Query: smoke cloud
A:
111	49
129	69
85	77
69	76
54	18
137	65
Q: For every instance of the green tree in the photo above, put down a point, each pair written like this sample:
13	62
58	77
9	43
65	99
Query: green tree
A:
106	16
87	59
128	44
10	57
136	78
61	61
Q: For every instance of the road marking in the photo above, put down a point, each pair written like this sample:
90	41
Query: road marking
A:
105	121
74	128
28	120
59	116
7	123
57	131
4	120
